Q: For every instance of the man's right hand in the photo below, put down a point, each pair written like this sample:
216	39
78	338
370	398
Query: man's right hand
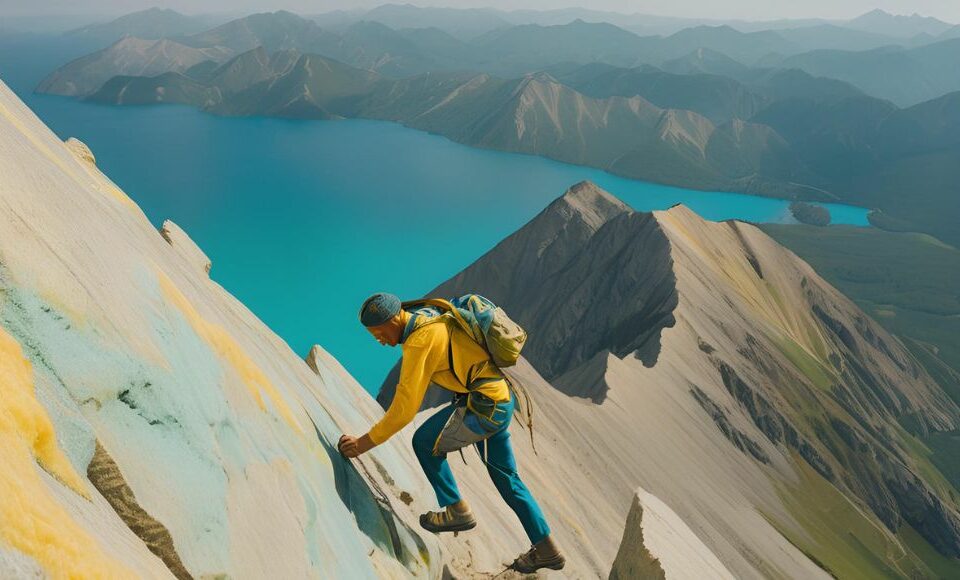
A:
350	446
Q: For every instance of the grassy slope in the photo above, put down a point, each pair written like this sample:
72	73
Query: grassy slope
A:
910	284
855	544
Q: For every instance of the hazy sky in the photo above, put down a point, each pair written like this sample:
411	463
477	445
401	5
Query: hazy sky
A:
747	9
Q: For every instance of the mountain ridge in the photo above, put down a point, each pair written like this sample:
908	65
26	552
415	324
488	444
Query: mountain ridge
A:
728	267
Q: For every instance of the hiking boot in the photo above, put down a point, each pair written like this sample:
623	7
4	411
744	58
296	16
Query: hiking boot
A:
449	520
542	555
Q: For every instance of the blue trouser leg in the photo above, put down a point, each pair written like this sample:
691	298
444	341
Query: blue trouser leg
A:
502	467
436	468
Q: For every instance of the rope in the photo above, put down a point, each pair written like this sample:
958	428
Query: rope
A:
527	406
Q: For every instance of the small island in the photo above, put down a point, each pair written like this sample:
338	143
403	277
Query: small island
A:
807	213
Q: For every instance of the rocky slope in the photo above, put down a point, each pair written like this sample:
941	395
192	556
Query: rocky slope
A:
715	369
150	425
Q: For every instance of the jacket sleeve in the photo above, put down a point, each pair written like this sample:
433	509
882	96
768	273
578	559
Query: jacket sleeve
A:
423	352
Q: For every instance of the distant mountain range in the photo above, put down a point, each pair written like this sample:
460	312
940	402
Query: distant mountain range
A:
467	23
682	109
879	22
624	133
152	23
906	69
717	97
904	76
781	133
394	42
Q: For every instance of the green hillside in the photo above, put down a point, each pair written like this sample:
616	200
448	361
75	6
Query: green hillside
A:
909	283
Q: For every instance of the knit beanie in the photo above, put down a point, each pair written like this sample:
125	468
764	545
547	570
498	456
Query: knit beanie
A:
379	308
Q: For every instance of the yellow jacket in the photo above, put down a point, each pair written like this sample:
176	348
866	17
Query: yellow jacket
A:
425	361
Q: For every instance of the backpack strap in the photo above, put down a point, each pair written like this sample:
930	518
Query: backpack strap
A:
447	307
527	406
444	305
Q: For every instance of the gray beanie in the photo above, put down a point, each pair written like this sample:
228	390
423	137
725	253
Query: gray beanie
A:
379	308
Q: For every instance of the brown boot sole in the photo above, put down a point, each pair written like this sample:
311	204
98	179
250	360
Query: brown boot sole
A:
462	527
554	564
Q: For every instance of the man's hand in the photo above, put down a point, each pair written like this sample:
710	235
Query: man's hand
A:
350	446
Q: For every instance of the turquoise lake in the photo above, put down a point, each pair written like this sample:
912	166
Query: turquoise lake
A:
303	220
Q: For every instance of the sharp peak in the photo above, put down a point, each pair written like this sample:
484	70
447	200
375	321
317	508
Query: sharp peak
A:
587	196
155	10
677	209
593	204
588	190
276	14
540	76
535	80
876	12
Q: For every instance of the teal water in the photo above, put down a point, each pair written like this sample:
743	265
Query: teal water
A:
303	220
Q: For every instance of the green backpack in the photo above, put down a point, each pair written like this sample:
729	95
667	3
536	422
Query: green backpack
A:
485	322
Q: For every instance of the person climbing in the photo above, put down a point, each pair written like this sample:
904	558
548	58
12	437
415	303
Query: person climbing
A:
436	349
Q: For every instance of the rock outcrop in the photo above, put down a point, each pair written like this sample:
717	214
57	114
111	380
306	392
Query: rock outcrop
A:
657	545
182	243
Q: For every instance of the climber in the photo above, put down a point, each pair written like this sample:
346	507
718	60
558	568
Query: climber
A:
437	350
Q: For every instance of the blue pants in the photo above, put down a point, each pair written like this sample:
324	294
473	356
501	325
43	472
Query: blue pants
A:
501	466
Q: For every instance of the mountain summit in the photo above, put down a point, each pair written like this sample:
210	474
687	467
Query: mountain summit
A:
714	368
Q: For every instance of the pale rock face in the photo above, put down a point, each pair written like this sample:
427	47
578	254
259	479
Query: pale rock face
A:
149	421
657	545
14	564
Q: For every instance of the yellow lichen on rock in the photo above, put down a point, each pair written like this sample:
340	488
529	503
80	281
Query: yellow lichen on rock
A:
22	415
230	352
31	520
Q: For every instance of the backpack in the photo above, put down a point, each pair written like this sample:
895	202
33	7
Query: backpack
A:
485	322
